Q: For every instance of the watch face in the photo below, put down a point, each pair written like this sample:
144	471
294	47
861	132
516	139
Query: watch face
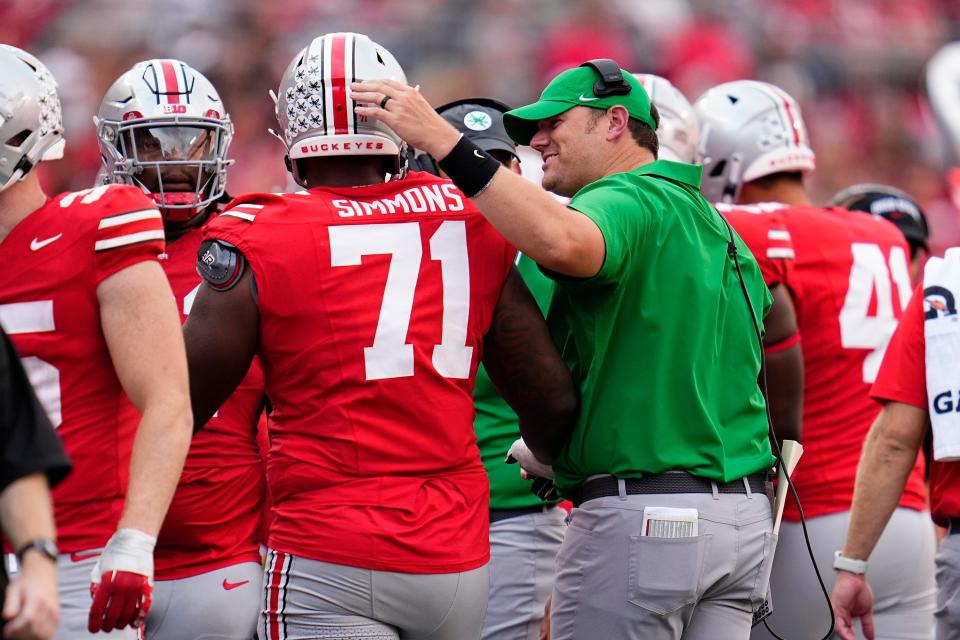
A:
43	546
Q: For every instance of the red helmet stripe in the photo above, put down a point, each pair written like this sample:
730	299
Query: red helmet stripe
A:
338	53
790	116
170	79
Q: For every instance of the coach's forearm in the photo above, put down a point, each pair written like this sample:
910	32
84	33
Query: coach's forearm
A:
553	235
26	511
889	454
159	449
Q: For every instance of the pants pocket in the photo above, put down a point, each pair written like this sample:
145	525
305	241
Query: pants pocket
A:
759	593
665	572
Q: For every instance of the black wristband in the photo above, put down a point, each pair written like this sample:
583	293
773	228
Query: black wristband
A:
470	168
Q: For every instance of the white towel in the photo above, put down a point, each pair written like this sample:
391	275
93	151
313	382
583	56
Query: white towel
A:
941	330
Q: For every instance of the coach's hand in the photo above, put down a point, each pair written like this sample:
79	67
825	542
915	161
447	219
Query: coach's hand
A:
31	610
852	598
122	582
406	111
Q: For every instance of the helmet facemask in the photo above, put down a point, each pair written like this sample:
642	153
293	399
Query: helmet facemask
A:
182	165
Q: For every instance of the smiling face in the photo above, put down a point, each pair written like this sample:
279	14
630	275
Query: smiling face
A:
570	145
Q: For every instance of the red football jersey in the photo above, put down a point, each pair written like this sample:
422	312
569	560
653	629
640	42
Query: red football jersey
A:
53	261
214	518
373	305
903	378
853	282
762	229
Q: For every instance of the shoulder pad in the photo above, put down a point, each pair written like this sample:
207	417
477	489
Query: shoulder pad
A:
220	264
108	197
249	206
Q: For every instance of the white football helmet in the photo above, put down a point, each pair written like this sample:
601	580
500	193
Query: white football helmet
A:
748	129
31	124
942	80
159	117
314	107
678	132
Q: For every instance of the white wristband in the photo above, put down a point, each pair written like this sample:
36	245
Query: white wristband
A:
850	565
127	550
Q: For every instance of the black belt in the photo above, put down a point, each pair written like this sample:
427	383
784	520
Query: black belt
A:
496	515
668	482
953	526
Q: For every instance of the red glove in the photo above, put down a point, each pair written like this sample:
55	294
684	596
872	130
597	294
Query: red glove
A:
122	582
122	598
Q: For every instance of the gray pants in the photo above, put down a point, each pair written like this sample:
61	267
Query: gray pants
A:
900	573
73	587
615	584
223	604
310	600
948	589
523	552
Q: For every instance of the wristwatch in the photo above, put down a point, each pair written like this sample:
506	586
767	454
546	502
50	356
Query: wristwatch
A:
44	546
850	565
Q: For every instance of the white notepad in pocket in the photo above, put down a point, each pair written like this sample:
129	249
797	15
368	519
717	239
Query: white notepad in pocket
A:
669	522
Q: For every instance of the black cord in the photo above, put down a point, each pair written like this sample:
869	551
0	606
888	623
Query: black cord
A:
733	253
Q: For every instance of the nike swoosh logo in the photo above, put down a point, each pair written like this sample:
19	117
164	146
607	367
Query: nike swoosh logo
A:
78	557
584	98
229	586
37	243
478	154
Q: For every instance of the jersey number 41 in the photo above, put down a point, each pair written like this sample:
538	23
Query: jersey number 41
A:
873	273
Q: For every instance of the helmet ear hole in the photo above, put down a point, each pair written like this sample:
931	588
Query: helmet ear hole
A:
16	140
718	169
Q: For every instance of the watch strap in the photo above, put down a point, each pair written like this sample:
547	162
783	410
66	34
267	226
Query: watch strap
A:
45	546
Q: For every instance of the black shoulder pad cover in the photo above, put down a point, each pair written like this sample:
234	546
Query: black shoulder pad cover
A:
220	264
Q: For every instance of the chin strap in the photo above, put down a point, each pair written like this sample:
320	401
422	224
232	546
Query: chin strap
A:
179	212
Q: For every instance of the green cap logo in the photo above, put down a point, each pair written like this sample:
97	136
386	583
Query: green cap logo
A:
477	121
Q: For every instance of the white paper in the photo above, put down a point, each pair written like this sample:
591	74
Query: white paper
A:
790	451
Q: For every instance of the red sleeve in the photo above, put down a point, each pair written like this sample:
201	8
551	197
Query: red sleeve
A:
129	228
903	374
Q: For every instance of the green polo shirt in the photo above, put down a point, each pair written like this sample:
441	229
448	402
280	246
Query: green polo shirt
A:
661	341
496	423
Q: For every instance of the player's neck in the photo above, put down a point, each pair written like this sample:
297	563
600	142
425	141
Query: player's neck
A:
18	201
342	171
783	191
173	231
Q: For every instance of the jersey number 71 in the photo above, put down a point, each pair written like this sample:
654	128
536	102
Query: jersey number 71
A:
391	356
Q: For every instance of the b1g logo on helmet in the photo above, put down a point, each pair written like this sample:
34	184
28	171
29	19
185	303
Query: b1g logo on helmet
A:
174	108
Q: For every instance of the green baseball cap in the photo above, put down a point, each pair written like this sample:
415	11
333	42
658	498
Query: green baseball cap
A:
574	88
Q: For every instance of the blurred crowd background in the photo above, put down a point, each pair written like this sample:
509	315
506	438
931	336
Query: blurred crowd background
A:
856	66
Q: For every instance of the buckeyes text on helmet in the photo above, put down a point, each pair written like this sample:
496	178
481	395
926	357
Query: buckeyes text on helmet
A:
678	133
748	130
31	124
164	118
315	110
